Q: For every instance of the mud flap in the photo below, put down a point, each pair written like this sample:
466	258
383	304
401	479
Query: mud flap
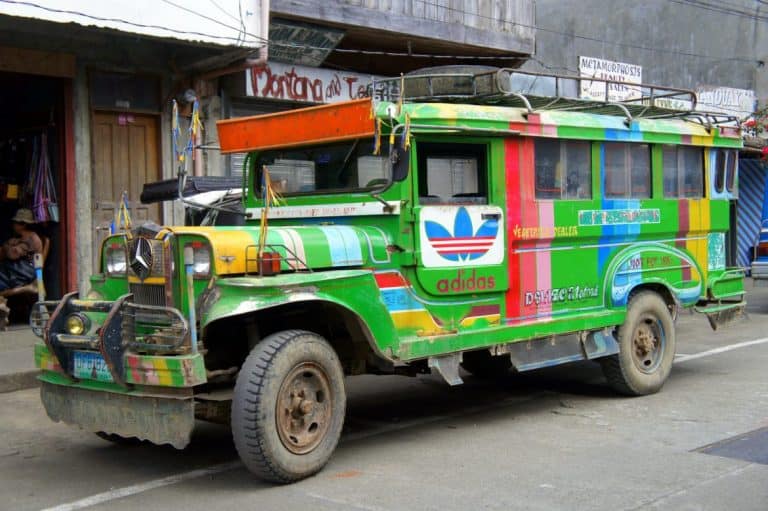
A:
722	314
158	420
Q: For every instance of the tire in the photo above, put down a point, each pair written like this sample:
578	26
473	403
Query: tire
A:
288	407
646	347
117	439
482	364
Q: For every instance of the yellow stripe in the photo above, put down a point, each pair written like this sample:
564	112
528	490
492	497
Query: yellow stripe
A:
161	368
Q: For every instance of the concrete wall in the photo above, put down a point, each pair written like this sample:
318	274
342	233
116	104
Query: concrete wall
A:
499	24
678	44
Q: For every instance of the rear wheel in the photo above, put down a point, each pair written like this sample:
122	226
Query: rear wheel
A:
484	365
646	347
288	407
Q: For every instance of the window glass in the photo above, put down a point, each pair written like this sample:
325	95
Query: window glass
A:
683	171
669	165
335	167
720	170
731	167
452	173
640	171
692	179
627	170
563	169
616	184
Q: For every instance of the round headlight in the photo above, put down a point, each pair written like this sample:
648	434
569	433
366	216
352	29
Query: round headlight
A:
116	261
76	324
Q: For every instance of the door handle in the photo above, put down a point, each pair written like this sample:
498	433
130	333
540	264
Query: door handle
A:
491	216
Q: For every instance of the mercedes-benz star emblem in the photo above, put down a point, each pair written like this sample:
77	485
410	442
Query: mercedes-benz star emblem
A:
141	258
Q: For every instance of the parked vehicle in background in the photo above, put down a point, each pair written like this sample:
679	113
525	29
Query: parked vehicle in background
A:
484	220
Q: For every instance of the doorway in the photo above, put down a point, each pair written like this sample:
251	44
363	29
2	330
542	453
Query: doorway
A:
125	157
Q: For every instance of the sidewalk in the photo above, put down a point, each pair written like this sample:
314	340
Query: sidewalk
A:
17	358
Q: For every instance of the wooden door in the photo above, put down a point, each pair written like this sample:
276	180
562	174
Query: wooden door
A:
125	156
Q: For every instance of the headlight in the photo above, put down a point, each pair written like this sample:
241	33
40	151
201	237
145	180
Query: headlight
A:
77	324
116	259
201	259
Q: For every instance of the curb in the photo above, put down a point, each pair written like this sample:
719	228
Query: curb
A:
19	381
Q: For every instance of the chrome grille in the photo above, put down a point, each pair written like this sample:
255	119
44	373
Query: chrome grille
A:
148	294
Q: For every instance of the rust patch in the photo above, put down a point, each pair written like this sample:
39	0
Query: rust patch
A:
347	474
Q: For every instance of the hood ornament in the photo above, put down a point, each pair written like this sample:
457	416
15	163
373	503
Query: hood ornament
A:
141	258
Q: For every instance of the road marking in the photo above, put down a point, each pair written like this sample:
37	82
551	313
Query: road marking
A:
722	349
127	491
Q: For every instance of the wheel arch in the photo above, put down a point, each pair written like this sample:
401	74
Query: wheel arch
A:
344	329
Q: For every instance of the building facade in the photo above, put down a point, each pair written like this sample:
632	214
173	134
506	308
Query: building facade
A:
96	80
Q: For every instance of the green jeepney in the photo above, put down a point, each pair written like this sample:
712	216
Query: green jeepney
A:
461	224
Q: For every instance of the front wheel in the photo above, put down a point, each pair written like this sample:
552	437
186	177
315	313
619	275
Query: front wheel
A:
288	407
646	347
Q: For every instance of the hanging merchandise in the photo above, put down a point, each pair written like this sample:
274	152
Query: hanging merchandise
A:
39	189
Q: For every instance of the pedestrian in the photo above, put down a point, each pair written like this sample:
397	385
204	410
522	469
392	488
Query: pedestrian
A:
17	267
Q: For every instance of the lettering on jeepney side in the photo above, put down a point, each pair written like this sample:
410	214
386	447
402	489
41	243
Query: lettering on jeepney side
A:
560	294
544	232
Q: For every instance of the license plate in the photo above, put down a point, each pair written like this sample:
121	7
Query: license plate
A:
91	366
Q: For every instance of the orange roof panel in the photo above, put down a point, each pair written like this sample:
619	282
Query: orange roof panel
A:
325	123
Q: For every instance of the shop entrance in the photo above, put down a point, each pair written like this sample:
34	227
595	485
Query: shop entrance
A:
32	169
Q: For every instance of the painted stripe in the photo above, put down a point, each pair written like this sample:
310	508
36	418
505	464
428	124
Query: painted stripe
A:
329	210
343	244
399	300
722	349
127	491
295	244
390	279
544	259
512	182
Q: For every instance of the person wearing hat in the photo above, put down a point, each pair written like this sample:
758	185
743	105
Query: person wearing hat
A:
16	255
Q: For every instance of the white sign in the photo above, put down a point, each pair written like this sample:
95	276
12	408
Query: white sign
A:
306	84
591	67
224	22
469	235
725	100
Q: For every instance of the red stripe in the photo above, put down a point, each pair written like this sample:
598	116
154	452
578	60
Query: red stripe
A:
512	182
391	279
465	238
473	245
462	251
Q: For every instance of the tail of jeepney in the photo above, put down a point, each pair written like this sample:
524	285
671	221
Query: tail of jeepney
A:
463	227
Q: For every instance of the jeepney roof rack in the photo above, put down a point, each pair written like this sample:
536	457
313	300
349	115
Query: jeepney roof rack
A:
544	91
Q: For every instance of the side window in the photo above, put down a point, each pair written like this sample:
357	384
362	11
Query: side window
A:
627	171
720	158
563	169
452	173
731	168
683	170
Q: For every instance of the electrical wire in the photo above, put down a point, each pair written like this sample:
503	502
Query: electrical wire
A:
390	53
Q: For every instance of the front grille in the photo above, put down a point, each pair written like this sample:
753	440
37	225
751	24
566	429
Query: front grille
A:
148	294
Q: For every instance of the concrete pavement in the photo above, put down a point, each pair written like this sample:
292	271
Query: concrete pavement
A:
17	360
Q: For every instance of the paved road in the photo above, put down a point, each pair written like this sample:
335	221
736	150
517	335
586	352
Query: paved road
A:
552	439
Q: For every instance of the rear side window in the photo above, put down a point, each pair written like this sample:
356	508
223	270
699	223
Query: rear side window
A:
563	169
726	168
683	170
627	171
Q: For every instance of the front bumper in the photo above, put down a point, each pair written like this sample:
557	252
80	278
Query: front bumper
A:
759	273
133	345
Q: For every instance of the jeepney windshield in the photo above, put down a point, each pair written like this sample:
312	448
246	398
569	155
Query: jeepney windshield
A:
339	167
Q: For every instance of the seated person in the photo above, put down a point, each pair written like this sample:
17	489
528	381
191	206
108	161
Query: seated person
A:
16	255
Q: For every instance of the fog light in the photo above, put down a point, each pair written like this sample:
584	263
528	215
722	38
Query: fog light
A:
77	324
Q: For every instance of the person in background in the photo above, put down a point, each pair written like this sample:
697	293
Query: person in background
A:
16	254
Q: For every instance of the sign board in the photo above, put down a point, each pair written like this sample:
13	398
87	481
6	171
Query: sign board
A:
725	100
222	23
305	84
591	67
301	43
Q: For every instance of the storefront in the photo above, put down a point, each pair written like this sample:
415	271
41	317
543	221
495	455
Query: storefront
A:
37	154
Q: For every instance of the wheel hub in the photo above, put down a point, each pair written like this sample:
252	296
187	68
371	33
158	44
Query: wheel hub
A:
647	346
304	408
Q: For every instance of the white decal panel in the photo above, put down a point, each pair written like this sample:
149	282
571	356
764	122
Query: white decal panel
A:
456	236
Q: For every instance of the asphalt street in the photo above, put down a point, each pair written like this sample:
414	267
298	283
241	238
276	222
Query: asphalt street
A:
551	439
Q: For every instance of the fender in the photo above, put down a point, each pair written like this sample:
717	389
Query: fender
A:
354	290
653	263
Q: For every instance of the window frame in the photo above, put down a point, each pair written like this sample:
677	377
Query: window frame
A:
681	171
628	169
442	148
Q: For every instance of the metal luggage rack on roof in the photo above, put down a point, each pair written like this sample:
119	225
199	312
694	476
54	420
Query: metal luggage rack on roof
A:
540	91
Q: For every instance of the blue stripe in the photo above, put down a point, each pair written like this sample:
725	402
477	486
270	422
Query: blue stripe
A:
398	300
752	208
344	245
